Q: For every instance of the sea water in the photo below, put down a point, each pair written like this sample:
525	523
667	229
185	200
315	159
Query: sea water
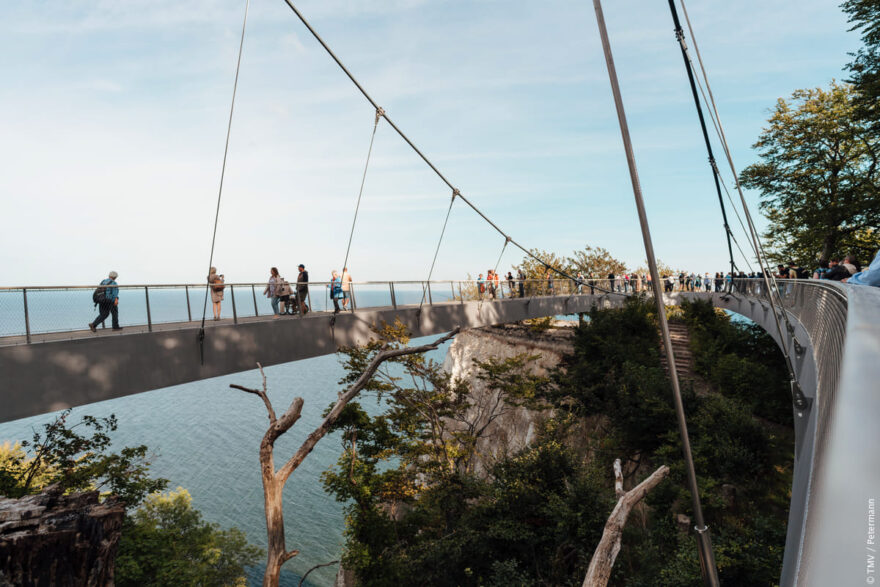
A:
206	438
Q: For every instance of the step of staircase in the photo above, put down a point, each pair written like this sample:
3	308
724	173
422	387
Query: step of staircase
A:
684	360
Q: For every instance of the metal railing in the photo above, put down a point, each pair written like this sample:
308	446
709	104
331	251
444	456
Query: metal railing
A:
42	310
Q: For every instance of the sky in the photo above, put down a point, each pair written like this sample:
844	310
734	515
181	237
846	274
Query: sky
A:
113	119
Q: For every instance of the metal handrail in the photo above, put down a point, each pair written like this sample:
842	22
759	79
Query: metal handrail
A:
31	317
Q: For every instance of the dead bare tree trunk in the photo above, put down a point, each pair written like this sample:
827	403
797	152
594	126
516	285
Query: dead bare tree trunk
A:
609	546
273	481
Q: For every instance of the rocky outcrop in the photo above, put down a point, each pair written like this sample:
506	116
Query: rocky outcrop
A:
59	540
516	428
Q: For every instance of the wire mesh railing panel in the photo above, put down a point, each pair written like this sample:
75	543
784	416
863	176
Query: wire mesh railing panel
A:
370	295
12	319
408	293
442	292
60	310
169	304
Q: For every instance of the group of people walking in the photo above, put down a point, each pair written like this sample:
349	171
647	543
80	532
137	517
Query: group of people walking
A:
492	285
285	299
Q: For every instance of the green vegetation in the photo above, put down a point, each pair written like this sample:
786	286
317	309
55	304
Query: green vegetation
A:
417	510
738	359
818	177
421	511
75	458
164	542
743	468
864	15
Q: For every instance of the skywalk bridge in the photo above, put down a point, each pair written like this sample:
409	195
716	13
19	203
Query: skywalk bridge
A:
829	335
834	334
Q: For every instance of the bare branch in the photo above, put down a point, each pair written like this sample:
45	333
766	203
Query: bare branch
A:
287	420
303	579
362	381
609	546
288	555
263	394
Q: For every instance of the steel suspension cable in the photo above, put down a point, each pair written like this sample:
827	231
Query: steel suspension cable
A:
770	283
504	248
679	35
379	113
707	558
756	243
222	176
715	124
412	145
437	250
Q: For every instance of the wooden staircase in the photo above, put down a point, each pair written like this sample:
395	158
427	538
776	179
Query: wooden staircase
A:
684	360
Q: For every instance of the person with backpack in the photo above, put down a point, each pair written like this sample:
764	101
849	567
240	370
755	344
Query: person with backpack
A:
797	272
336	290
106	297
216	283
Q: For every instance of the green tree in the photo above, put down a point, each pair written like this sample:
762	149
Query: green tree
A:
818	177
408	474
662	269
864	15
597	260
77	459
538	270
166	542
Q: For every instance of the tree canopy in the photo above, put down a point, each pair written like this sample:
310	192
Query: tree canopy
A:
597	260
166	542
76	458
818	177
864	15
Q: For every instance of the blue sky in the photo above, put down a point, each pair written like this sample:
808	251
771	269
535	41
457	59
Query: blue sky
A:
113	118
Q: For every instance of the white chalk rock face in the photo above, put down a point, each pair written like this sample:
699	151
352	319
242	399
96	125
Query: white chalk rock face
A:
516	427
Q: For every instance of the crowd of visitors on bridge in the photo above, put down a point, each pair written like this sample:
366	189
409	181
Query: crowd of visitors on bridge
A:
287	300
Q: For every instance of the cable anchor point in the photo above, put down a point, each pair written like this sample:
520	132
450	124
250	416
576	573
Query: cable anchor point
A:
380	112
455	193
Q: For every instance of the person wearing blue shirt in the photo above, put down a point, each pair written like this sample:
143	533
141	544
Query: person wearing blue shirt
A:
109	305
335	290
870	276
